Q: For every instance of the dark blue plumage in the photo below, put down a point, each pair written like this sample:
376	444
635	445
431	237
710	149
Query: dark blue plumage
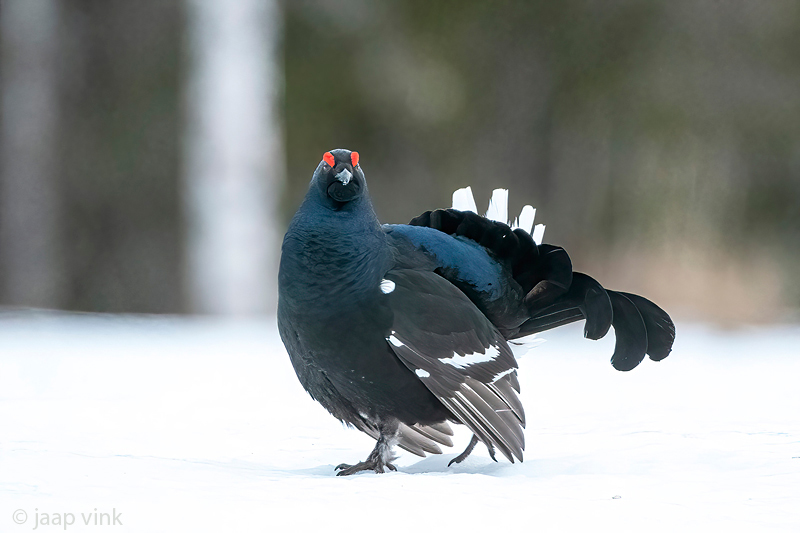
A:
400	329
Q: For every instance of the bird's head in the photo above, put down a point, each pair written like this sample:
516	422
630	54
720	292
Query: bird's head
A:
339	177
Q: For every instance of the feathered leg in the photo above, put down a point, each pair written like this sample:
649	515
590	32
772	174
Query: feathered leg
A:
381	455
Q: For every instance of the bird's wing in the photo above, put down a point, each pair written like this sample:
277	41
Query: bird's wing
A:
525	288
418	439
467	265
461	357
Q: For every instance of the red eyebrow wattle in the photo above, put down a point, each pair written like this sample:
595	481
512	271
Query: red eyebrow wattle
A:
328	158
354	158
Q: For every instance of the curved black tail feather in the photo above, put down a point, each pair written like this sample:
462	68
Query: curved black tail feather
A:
659	326
556	296
630	331
585	299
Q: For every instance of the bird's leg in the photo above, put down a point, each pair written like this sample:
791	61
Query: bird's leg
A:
471	446
381	455
463	455
491	452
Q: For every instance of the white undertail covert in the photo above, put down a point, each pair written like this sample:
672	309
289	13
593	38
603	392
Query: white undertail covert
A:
463	200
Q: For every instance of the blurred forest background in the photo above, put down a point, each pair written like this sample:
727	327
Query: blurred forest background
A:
152	152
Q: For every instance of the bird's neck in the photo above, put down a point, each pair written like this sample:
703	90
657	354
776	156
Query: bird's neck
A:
332	252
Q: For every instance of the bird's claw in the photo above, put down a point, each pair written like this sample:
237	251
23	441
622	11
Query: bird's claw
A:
375	466
459	458
463	455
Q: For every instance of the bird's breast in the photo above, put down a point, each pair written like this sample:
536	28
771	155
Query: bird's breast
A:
331	278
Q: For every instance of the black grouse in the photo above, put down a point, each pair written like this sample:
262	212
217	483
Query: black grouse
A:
399	329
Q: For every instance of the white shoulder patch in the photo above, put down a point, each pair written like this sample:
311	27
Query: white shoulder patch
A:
422	373
387	286
395	341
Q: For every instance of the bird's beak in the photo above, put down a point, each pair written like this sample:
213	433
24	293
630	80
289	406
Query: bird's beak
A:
344	176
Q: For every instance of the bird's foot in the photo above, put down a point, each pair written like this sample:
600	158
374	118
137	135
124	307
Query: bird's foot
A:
381	456
471	446
491	452
370	464
458	459
463	455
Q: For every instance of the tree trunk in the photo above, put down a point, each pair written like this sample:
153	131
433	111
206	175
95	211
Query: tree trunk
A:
29	207
234	167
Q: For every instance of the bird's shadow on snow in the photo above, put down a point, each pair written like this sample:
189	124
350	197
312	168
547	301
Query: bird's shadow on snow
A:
317	471
430	465
437	464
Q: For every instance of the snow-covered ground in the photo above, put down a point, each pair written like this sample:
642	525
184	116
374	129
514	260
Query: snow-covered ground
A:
200	425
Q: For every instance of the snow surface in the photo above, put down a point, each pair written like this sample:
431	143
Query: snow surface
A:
186	424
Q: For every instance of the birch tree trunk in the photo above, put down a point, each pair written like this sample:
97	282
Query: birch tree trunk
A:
29	207
234	167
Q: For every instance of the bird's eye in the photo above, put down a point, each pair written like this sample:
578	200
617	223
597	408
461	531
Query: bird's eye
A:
354	158
328	158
